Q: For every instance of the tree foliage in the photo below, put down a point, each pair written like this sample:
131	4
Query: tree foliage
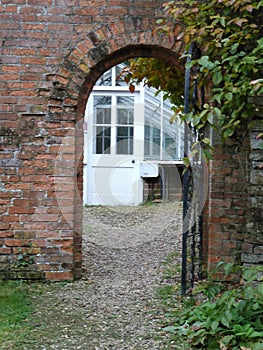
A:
158	74
229	34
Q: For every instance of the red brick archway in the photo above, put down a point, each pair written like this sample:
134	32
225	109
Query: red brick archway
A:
51	56
222	237
72	179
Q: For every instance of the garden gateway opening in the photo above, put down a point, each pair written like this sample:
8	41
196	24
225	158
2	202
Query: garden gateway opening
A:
132	152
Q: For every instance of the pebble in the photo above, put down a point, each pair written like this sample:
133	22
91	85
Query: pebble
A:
114	306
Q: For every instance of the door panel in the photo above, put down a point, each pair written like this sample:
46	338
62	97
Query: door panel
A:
114	149
116	183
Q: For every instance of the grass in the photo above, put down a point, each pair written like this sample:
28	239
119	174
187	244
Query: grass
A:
170	301
15	309
172	267
171	305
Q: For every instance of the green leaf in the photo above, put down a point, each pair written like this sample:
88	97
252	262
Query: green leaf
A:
228	269
214	325
217	77
217	112
218	97
159	21
255	334
228	132
189	64
225	321
250	275
173	118
260	43
206	63
226	340
223	21
206	140
251	345
234	48
207	154
238	328
210	118
260	290
229	96
228	316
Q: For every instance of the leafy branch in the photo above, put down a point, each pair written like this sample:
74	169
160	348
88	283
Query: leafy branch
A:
229	34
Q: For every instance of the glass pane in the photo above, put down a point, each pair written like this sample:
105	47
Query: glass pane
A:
169	150
119	77
102	100
125	110
105	79
125	147
102	109
127	101
146	149
152	142
103	136
125	140
155	143
122	116
122	131
146	141
122	147
131	145
156	135
155	151
147	131
103	116
125	116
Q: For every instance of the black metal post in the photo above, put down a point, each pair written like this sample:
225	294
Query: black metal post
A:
185	177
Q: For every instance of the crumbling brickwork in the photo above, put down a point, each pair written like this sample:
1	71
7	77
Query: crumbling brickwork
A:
252	248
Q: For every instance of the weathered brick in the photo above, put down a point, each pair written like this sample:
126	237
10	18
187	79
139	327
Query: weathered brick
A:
16	242
4	226
58	276
5	251
21	210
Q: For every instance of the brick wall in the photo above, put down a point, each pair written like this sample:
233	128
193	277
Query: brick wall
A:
252	248
51	54
227	203
233	226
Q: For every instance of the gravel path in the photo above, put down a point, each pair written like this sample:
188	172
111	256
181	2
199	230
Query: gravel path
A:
114	306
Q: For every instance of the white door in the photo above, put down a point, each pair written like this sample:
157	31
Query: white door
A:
114	149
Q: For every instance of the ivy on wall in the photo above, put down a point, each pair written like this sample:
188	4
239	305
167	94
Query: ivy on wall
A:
229	34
